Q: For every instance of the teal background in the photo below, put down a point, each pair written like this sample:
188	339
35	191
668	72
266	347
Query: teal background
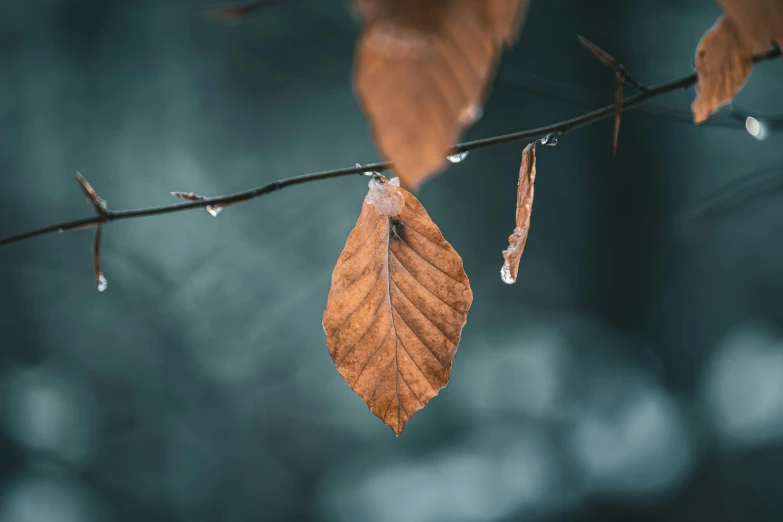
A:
634	372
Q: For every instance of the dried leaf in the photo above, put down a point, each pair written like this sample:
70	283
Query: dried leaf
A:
517	240
398	301
724	59
421	71
618	113
760	21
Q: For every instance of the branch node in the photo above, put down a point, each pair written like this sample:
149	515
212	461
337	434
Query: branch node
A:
608	60
214	210
97	201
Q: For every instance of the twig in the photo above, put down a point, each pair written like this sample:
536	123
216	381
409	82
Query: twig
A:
569	94
102	210
608	60
97	202
222	201
236	12
100	280
618	112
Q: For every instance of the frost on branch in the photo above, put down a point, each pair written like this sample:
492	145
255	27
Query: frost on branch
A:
385	196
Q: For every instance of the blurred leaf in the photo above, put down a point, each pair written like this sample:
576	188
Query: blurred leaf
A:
723	62
421	72
397	305
760	21
517	240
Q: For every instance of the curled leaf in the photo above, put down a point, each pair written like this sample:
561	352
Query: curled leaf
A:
517	240
724	59
421	71
397	305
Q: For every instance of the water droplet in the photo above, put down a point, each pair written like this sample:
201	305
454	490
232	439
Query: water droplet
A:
550	140
102	283
505	275
757	128
214	210
366	172
458	157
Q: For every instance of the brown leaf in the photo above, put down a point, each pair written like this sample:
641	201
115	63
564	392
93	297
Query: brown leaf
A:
724	59
507	18
517	240
760	21
398	301
421	71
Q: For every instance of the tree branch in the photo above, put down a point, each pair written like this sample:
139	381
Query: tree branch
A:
236	12
230	199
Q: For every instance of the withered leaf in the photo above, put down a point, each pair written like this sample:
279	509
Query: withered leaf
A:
517	240
724	59
760	21
397	305
421	72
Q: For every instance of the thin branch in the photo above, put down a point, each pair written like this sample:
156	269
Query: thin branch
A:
236	12
618	112
222	201
608	60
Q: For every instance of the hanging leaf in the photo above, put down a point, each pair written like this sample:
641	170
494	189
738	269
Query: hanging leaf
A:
507	18
759	21
398	301
517	240
724	59
421	71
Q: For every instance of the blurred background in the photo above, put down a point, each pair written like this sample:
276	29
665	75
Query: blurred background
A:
634	372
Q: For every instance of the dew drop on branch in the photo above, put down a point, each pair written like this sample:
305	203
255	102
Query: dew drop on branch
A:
215	211
458	157
102	283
